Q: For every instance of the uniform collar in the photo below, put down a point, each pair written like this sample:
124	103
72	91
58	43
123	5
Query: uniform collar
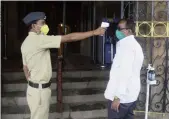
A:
32	33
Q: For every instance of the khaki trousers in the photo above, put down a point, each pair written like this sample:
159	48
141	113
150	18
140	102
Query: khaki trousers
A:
38	102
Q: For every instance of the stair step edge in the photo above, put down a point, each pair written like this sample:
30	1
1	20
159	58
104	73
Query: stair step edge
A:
74	115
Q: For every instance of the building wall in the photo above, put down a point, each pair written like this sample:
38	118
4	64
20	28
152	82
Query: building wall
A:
11	20
103	10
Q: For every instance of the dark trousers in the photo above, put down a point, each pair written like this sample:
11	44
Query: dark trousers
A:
125	111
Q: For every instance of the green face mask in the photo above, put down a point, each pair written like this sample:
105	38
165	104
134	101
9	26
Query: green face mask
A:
120	35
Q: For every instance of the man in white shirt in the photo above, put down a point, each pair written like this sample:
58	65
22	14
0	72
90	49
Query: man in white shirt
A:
124	84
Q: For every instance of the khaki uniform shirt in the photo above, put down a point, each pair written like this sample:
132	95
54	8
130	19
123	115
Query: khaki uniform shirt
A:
36	56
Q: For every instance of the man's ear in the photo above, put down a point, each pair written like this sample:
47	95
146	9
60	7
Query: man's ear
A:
130	30
33	26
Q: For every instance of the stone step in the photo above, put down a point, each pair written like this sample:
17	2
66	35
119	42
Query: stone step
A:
66	92
66	85
64	80
83	95
73	74
92	114
20	101
73	107
90	110
151	115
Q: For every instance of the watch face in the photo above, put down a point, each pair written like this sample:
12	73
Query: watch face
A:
115	97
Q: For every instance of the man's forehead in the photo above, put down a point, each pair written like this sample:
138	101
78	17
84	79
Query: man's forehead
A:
41	21
122	24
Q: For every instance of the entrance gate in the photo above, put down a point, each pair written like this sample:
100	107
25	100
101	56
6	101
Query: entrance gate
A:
152	32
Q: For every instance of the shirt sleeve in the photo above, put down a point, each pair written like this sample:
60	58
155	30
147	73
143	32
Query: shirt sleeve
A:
50	41
120	72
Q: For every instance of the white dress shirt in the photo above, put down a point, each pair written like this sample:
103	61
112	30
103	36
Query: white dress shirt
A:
124	79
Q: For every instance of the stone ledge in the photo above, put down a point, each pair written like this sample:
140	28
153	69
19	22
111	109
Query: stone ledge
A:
66	85
74	107
53	80
94	114
72	74
20	101
66	92
151	115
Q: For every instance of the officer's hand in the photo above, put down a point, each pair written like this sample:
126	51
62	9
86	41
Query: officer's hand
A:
115	105
28	75
99	31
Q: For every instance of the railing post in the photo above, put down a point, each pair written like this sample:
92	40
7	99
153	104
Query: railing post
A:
60	65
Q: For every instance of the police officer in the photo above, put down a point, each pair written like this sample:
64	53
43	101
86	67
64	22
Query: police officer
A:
37	62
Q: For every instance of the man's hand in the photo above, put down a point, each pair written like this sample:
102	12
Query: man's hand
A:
99	31
115	105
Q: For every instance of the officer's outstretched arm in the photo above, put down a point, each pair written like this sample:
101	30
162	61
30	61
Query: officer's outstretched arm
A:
81	35
54	41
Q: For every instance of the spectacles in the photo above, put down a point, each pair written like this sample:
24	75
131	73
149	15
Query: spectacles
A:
121	28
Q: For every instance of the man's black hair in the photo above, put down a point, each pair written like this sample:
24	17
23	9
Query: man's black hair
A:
130	24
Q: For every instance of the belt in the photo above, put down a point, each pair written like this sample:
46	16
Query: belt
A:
37	85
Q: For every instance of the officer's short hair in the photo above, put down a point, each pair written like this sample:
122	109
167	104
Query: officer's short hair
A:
130	24
30	24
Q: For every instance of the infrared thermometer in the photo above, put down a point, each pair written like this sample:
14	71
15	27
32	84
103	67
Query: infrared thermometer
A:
105	24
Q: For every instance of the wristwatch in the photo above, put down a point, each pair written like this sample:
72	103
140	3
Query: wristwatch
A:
116	98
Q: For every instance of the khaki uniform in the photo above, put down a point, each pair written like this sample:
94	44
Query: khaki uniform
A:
36	56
